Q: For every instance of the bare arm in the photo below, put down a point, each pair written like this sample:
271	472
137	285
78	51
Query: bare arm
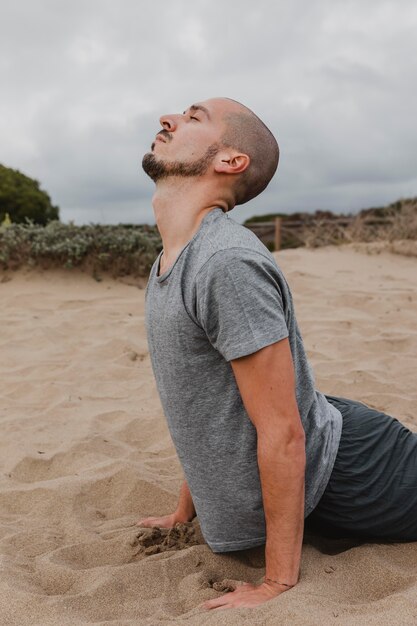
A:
267	386
184	512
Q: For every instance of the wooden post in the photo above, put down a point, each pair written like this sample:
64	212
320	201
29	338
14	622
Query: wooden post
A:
277	234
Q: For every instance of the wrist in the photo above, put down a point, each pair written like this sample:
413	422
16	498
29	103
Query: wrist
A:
272	589
276	583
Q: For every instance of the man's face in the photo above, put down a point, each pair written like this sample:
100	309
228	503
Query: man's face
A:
188	141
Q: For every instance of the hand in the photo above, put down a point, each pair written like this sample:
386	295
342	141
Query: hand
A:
166	521
244	595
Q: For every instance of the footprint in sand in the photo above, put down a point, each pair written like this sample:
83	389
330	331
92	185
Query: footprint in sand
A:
155	540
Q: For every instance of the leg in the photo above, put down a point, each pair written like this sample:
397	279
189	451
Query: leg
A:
372	492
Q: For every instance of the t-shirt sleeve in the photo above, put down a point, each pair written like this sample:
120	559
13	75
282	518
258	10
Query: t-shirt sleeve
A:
239	302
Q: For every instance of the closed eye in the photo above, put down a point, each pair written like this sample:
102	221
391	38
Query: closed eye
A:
192	117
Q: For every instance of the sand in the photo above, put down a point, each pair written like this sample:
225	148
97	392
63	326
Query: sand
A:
85	452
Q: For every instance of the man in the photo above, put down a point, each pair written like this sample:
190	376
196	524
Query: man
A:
261	449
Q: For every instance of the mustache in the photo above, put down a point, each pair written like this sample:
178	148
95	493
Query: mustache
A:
165	134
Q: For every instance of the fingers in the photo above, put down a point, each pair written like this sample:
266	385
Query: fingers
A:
146	523
234	587
149	522
160	522
215	604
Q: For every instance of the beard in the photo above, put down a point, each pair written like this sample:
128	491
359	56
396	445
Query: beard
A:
159	169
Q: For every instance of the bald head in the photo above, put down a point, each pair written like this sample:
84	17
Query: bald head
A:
241	154
246	133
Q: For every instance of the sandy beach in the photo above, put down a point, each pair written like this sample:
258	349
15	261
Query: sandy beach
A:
85	452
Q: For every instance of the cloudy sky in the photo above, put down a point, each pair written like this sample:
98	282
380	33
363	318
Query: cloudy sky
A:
83	84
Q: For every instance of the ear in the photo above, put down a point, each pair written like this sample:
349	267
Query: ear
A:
231	162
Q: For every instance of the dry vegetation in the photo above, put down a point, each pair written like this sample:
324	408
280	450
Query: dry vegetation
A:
395	231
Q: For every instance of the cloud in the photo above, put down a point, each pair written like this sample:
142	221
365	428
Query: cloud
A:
84	84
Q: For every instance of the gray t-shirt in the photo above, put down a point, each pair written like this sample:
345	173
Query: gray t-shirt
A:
223	298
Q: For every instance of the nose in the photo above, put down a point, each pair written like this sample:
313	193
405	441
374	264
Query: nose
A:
168	122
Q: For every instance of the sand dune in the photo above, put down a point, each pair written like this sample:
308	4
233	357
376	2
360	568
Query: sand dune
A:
85	452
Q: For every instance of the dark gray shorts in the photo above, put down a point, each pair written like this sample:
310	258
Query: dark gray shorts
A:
372	491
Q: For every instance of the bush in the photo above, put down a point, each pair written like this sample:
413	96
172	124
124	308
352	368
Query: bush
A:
22	198
115	249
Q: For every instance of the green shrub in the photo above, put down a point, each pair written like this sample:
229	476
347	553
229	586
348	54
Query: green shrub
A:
115	249
22	198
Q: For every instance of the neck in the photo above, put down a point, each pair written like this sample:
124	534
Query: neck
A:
179	206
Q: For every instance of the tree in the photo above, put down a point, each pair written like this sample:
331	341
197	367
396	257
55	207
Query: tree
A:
21	197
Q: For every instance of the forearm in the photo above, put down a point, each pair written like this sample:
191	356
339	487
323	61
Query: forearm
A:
282	472
185	507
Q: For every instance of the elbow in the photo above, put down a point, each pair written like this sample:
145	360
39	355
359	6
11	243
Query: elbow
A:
296	447
294	455
287	446
294	439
